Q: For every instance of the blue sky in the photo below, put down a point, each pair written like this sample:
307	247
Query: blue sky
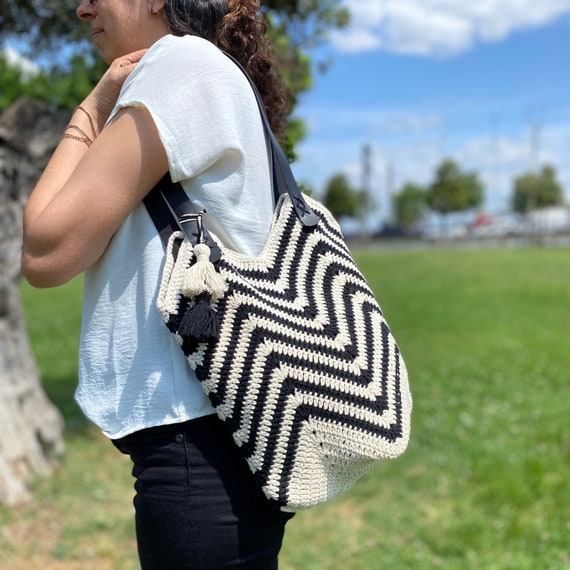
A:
486	84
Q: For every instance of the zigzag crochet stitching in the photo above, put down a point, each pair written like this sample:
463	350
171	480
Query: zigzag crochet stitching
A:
301	322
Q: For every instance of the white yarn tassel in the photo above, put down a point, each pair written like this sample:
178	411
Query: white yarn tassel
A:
202	277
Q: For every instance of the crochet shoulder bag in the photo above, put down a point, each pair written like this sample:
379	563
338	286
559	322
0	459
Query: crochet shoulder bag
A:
291	346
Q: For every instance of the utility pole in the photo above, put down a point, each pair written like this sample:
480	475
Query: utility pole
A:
390	190
535	140
534	159
495	159
366	184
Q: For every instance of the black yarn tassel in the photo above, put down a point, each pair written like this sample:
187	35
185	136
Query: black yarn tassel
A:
200	322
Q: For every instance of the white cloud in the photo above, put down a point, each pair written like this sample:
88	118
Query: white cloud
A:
370	122
412	147
356	40
439	28
15	59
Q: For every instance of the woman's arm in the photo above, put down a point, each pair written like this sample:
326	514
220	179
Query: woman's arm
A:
85	193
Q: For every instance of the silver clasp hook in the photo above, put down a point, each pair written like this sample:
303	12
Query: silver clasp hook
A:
187	218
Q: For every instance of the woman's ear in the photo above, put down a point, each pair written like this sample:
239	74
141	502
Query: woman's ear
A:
156	6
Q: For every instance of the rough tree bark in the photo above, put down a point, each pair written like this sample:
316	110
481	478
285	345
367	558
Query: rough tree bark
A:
31	427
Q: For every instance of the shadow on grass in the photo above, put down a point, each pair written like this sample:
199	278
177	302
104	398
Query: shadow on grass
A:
61	393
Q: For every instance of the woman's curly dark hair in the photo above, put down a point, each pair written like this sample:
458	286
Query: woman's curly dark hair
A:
238	28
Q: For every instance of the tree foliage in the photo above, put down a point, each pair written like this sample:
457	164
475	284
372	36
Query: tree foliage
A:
11	78
60	87
47	22
533	191
453	190
44	23
293	27
341	198
409	205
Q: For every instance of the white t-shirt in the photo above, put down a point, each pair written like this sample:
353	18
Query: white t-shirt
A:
132	374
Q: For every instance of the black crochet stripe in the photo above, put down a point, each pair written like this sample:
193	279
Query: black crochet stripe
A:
301	341
378	405
259	281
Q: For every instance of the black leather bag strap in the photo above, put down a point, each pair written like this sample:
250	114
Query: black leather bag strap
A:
171	209
283	179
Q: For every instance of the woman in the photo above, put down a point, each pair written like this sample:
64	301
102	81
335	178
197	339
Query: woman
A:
170	102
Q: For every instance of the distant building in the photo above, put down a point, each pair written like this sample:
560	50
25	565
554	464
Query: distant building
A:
554	219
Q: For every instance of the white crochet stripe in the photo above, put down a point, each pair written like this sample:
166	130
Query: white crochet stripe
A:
305	372
373	447
308	373
173	275
292	309
318	398
270	289
313	486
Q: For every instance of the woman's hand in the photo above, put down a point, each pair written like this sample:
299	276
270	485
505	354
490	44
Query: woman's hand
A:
101	101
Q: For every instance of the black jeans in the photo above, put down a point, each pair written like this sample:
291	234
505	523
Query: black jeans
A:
197	505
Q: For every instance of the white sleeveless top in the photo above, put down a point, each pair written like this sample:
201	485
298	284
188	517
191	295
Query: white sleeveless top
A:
132	374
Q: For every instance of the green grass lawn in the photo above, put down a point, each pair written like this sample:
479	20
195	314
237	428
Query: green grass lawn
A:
485	483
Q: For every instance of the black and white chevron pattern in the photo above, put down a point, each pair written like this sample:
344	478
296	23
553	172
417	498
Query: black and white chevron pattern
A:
305	374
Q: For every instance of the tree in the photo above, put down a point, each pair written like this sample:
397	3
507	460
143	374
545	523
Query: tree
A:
453	190
536	191
341	198
409	205
30	426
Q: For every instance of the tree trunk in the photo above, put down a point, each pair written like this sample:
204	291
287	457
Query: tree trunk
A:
31	427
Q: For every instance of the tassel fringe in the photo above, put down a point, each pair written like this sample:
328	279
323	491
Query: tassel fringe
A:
200	322
205	285
202	276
